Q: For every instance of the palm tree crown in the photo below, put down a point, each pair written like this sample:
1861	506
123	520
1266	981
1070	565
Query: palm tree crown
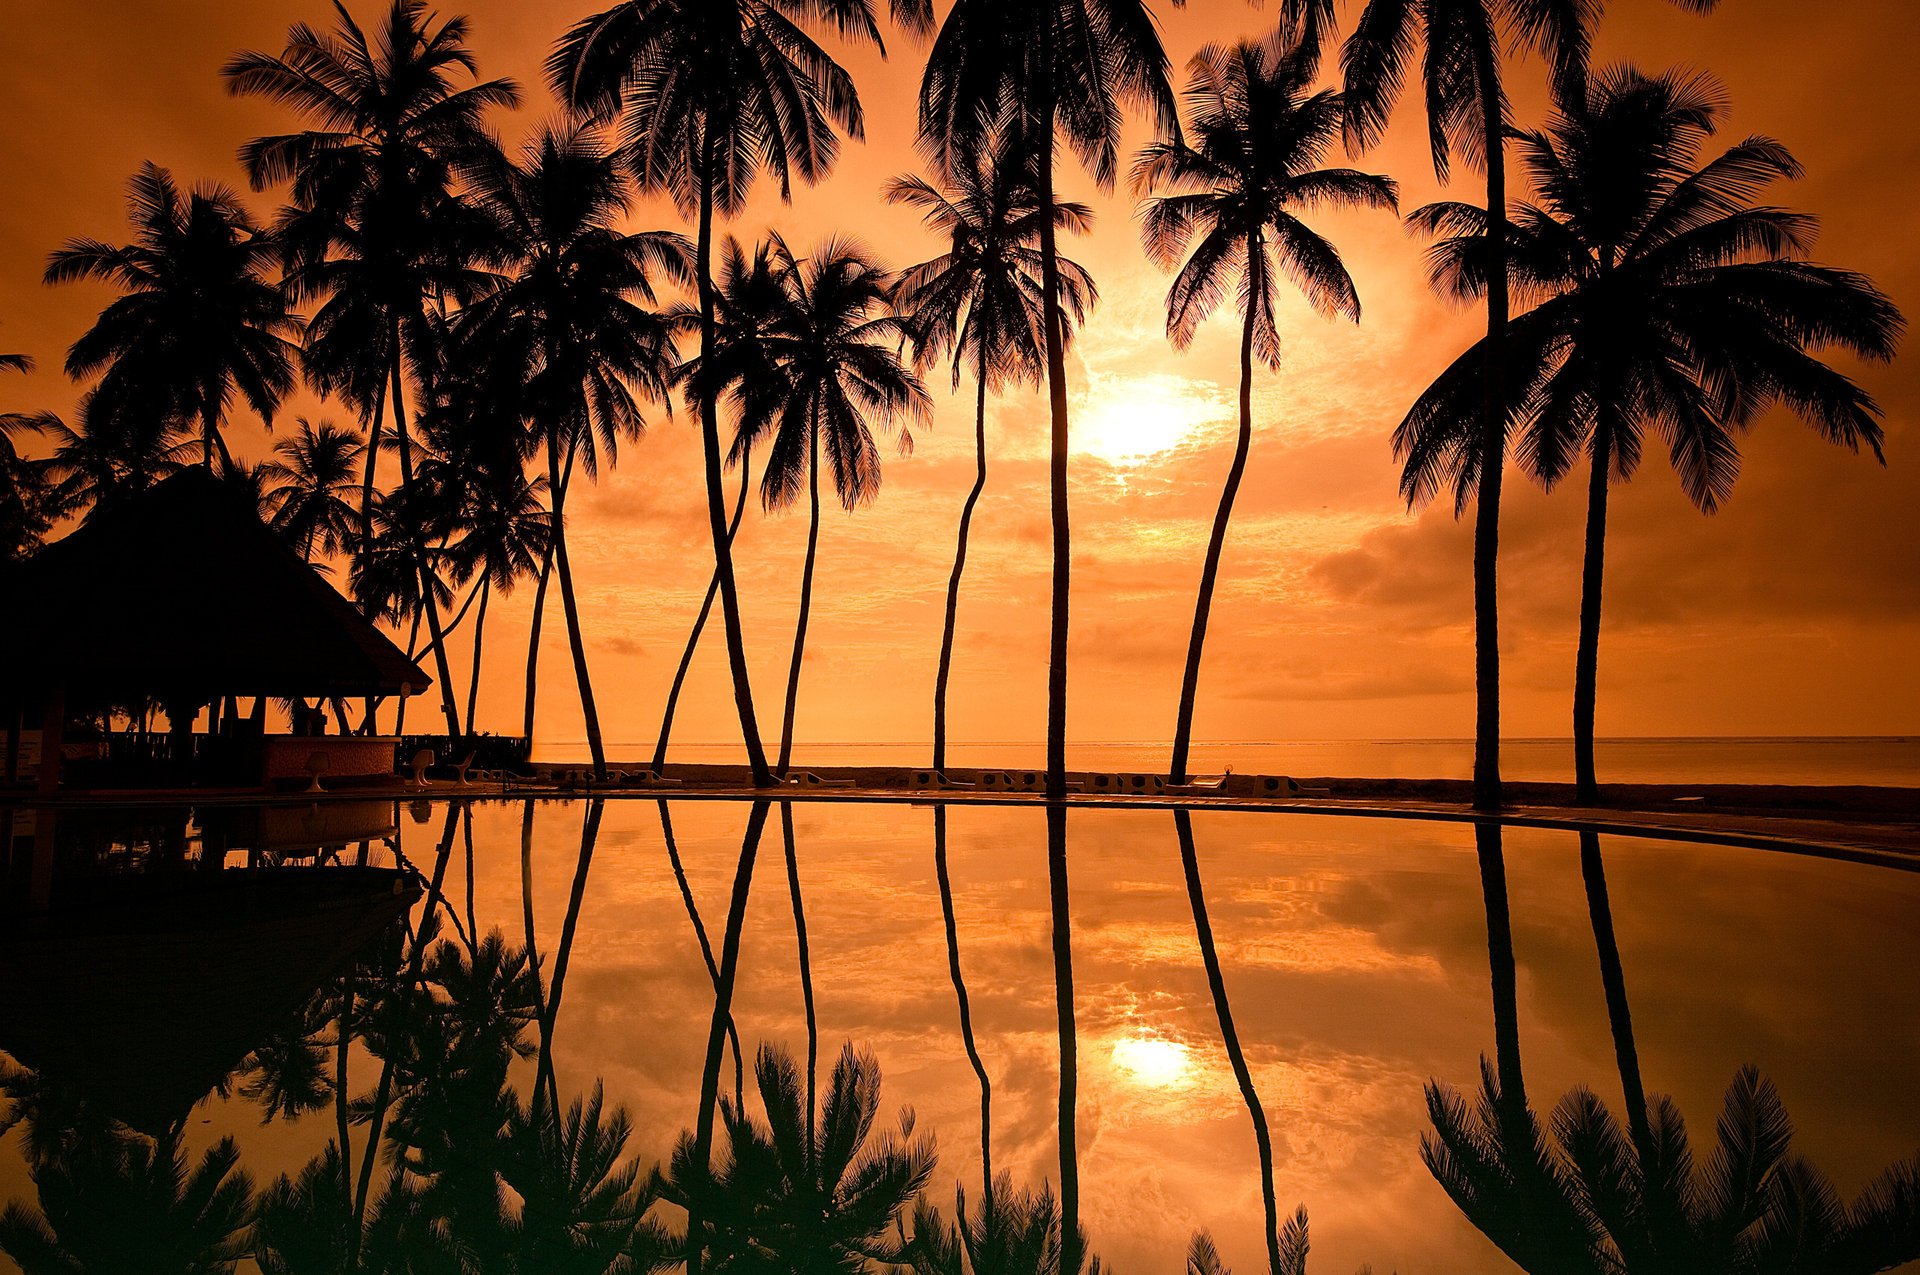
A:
312	477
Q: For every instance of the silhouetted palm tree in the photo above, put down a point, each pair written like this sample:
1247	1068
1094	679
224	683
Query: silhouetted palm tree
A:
312	477
979	301
1060	930
833	343
582	1210
1044	68
197	320
745	298
570	334
133	1204
1467	115
713	92
1258	132
1287	1253
1666	298
1010	1233
782	1201
706	948
805	954
107	455
1230	1037
26	498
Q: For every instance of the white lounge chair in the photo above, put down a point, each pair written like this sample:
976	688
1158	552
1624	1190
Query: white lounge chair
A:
418	767
807	779
318	763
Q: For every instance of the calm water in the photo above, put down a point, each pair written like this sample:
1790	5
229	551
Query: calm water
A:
1890	760
1355	956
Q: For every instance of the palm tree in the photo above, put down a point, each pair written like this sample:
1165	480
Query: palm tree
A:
26	510
312	478
745	299
1467	115
1288	1254
980	302
108	455
570	333
805	954
1042	68
1259	133
1666	297
582	1211
197	321
784	1199
713	92
833	346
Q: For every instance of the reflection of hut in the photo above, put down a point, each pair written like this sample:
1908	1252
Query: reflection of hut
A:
143	1010
180	595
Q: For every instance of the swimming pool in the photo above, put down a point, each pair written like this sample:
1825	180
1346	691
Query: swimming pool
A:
1366	966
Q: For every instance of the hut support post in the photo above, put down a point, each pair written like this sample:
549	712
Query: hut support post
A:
53	737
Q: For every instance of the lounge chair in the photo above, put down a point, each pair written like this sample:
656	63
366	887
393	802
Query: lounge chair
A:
807	779
649	778
421	760
461	767
1198	788
318	764
1284	786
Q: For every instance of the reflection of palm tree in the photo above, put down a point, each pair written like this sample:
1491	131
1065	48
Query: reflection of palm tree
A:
806	961
714	92
1061	925
1288	1252
1613	980
1216	983
582	1211
987	1197
1012	1233
133	1205
1668	298
706	948
1258	134
781	1201
550	1004
197	320
1059	66
980	300
1594	1204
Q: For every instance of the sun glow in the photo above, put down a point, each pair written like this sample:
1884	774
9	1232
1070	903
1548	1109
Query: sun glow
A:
1127	421
1153	1062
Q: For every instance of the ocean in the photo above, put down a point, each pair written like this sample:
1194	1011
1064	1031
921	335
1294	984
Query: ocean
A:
1892	760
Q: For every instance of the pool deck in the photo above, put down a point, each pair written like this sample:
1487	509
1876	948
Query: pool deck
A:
1877	825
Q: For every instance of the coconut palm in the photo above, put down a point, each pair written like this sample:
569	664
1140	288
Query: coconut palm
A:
782	1201
312	477
1235	186
197	320
833	343
1288	1257
1011	1232
108	455
711	93
979	301
570	337
1467	117
133	1204
1666	298
1046	68
26	510
582	1209
745	297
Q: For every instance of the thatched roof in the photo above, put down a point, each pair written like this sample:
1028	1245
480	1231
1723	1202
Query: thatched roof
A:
183	590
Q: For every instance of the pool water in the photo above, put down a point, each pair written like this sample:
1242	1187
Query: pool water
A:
1359	961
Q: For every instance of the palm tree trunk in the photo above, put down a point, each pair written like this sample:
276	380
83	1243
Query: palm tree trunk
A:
1502	969
366	476
806	596
1493	449
479	633
716	512
540	605
1203	931
1072	1244
448	704
953	590
806	975
1586	664
1203	607
1613	979
399	713
700	621
1057	413
717	1029
571	606
706	949
966	1007
340	1113
543	1079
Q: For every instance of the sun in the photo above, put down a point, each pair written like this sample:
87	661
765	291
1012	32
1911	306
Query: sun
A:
1129	420
1153	1062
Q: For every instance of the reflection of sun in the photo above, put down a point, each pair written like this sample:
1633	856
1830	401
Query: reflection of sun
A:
1125	421
1152	1061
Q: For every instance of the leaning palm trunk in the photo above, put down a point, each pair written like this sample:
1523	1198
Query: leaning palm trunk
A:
700	622
706	949
806	599
1586	664
716	512
575	642
366	476
1613	979
432	608
543	1079
1071	1241
1203	606
1492	449
806	969
1216	983
717	1029
966	1007
533	644
953	594
479	635
1503	971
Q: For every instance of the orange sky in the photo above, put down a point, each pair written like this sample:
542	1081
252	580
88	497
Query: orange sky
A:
1339	615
